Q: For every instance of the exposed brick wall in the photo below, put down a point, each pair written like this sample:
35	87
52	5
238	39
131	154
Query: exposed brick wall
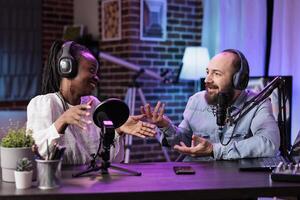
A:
55	15
184	21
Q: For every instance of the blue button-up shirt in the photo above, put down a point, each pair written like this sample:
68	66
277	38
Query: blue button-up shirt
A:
256	134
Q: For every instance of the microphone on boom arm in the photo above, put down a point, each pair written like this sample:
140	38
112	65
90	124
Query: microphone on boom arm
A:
278	83
221	111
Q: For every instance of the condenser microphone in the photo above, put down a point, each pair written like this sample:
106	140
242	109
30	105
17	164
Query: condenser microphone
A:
109	115
222	106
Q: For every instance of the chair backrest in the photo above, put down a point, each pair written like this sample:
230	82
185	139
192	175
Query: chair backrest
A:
295	151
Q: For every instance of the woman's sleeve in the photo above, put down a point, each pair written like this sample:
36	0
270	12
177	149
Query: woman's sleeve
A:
40	120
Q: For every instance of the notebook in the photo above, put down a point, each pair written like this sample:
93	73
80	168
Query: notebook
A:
268	164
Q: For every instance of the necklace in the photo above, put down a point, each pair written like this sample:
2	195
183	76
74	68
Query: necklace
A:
65	105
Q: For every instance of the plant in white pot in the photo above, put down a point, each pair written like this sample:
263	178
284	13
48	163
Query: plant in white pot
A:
15	145
23	174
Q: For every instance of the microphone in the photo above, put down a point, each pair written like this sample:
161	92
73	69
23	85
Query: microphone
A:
222	106
109	115
113	110
107	126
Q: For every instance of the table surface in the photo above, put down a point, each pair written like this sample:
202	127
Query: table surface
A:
213	180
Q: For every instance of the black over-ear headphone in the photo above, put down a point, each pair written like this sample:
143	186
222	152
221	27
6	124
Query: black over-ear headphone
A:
240	78
67	66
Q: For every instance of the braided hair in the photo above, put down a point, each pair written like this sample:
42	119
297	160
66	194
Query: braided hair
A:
51	78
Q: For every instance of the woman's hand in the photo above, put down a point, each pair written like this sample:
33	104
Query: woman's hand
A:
134	126
156	116
75	115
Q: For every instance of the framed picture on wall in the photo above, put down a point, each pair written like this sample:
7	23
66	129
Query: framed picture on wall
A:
111	20
73	32
153	20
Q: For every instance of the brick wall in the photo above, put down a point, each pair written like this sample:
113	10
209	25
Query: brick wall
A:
184	21
55	15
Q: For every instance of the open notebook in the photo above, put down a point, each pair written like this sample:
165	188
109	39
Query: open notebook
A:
268	164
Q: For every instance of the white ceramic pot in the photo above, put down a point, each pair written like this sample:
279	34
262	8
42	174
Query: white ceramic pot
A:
23	179
9	159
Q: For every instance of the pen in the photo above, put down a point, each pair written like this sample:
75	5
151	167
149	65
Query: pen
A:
35	150
60	153
54	151
48	152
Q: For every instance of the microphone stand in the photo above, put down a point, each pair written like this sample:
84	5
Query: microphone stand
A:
279	83
107	134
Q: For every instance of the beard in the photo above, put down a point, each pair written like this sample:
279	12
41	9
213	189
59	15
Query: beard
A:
212	98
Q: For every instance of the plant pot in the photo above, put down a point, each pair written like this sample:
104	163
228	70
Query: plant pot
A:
23	179
48	174
9	158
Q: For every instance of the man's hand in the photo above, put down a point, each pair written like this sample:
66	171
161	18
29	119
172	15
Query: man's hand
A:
199	147
134	126
157	115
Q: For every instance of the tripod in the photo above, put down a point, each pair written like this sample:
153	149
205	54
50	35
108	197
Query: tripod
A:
130	99
107	137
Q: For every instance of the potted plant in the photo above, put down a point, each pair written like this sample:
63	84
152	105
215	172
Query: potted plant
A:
15	145
23	173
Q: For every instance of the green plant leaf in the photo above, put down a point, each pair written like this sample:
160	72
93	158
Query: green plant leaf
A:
17	137
24	164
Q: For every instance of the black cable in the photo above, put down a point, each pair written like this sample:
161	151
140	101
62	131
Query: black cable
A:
231	136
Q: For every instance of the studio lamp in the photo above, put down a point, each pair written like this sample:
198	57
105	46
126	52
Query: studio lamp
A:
194	63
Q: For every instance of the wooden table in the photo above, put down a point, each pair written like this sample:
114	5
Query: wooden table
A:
213	180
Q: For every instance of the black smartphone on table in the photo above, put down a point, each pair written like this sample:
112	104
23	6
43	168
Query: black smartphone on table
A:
183	170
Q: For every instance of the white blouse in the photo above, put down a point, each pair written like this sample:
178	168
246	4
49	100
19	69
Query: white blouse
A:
44	110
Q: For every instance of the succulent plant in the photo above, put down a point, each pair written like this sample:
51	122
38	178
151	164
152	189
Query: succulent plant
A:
24	164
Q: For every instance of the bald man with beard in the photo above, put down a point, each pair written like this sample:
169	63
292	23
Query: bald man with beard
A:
255	135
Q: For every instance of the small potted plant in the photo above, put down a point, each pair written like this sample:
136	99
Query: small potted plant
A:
23	173
15	145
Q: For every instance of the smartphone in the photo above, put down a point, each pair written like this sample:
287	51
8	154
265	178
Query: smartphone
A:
183	170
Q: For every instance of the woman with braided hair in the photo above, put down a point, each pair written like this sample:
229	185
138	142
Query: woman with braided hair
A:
62	114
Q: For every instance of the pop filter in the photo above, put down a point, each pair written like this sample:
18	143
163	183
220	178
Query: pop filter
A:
111	109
